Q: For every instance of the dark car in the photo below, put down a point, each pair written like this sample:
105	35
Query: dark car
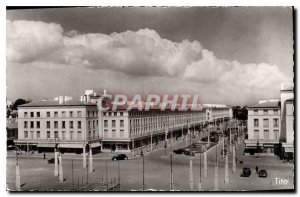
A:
246	172
179	151
262	173
51	161
188	152
119	157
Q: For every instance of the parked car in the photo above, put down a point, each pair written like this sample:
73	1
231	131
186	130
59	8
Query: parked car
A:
246	172
179	151
51	161
262	173
189	152
120	157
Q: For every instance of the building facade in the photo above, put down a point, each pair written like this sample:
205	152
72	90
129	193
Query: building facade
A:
263	128
126	130
70	124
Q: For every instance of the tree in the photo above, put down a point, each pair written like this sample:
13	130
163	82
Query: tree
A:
19	102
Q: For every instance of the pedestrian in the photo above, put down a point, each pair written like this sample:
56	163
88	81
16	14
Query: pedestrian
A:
44	155
256	169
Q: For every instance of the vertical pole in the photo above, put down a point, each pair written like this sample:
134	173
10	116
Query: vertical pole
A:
72	175
233	160
91	161
87	176
216	171
84	158
191	175
106	170
55	162
143	169
61	175
151	139
18	179
171	173
200	184
230	144
205	164
223	145
119	178
226	170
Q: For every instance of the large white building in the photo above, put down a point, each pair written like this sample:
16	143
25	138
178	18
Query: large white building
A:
271	126
67	123
73	125
263	128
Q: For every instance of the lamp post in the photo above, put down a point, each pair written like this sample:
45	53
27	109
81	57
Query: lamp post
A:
200	181
18	181
142	154
171	173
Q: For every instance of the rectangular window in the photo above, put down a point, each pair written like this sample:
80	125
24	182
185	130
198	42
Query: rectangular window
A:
121	113
266	134
31	114
71	114
115	114
94	134
276	134
275	111
48	125
55	124
31	124
38	114
266	123
79	135
121	133
63	135
48	114
89	135
93	114
256	124
55	114
78	124
38	124
121	123
63	125
25	134
63	114
113	123
105	123
31	134
89	124
114	133
255	112
88	114
256	134
38	134
78	114
55	134
276	122
265	112
25	124
71	124
25	114
105	133
48	134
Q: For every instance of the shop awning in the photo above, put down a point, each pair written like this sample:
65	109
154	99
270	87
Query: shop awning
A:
289	150
46	145
96	144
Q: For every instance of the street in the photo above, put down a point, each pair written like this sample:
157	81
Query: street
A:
37	174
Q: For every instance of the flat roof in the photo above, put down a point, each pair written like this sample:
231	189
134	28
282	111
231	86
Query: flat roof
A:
265	105
56	104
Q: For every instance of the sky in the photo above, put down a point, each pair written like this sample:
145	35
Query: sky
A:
226	55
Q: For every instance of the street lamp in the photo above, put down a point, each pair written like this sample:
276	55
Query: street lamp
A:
142	155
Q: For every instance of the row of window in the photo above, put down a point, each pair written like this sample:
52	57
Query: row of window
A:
63	136
113	114
113	133
266	135
265	111
91	124
266	122
113	123
63	114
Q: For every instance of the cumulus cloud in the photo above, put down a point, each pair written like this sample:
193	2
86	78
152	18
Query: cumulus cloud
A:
136	54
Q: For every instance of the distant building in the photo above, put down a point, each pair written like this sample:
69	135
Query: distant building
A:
263	128
11	130
70	124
